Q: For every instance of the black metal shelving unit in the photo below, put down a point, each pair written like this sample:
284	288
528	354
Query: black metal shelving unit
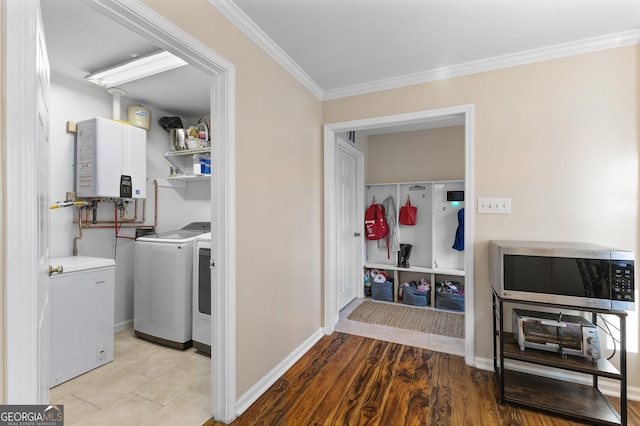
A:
568	399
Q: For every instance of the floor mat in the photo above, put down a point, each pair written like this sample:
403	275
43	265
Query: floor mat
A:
410	318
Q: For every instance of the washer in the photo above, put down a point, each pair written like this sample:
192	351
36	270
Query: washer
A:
202	293
162	285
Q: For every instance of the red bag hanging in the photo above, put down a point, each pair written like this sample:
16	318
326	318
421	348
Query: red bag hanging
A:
408	214
374	221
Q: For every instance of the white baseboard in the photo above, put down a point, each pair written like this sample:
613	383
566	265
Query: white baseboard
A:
124	325
278	371
607	386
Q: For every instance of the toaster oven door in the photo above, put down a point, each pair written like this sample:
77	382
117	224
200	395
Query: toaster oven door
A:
549	335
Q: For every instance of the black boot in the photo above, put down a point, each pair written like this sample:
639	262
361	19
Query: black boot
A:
401	255
407	253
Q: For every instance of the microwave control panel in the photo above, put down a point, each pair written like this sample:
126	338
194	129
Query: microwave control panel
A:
623	285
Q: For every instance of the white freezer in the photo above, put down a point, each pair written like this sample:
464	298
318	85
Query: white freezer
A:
81	316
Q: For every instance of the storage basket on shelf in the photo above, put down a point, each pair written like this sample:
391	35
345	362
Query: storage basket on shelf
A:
416	293
379	283
412	296
450	295
382	291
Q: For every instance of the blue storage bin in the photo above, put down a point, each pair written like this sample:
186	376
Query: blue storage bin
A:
450	301
382	291
411	296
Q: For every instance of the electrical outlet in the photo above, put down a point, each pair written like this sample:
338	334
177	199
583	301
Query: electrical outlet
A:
494	205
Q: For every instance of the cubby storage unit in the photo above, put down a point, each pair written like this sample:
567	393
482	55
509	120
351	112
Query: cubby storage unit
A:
432	237
562	397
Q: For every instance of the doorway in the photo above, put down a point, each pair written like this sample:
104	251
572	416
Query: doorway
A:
138	18
414	121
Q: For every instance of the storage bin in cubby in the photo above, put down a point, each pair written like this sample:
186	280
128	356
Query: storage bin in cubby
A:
411	296
382	291
450	301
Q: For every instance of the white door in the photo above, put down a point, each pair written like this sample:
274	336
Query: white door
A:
27	201
349	238
41	142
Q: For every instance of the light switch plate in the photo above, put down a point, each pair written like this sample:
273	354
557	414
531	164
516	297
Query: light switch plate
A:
494	205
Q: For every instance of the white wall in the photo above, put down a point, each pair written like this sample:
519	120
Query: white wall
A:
176	207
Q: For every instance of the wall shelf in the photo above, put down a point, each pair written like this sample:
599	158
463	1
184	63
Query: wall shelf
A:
183	160
190	178
437	271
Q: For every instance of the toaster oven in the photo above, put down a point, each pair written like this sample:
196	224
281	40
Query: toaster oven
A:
555	332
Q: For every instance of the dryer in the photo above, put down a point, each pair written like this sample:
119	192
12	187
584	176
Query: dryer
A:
202	293
162	285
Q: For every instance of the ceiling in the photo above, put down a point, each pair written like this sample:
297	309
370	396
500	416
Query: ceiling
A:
338	47
341	44
77	47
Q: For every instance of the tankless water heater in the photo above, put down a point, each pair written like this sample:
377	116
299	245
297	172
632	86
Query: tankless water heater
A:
111	160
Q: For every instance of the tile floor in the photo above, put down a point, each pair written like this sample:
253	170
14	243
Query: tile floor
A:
434	342
146	384
150	384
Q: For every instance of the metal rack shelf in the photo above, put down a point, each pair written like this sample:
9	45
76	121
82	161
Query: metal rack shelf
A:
574	400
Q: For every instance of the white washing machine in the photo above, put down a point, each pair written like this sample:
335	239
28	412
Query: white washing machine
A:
202	293
162	285
81	316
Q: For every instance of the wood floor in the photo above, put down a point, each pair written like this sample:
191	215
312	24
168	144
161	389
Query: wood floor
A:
352	380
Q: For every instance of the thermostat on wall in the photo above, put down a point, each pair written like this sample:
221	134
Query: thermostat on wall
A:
455	195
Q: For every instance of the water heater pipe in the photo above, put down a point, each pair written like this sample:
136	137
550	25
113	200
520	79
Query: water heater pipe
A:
116	93
125	223
79	237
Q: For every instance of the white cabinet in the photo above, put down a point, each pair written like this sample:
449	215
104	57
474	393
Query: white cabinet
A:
432	237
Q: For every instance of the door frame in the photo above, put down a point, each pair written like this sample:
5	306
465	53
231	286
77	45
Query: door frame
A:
359	157
137	17
331	315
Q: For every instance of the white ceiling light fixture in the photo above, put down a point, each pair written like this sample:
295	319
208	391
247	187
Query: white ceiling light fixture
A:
143	66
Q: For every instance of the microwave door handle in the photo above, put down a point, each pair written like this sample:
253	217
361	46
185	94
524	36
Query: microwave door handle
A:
553	323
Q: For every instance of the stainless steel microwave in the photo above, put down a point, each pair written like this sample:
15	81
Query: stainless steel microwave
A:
571	274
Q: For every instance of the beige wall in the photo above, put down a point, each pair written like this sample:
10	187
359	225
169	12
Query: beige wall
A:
559	137
279	195
424	155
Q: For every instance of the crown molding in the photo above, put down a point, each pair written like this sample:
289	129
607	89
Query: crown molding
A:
247	26
490	64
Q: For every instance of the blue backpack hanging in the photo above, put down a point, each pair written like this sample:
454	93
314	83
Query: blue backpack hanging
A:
458	242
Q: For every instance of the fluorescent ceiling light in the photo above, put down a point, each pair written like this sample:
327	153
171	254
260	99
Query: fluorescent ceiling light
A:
138	68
